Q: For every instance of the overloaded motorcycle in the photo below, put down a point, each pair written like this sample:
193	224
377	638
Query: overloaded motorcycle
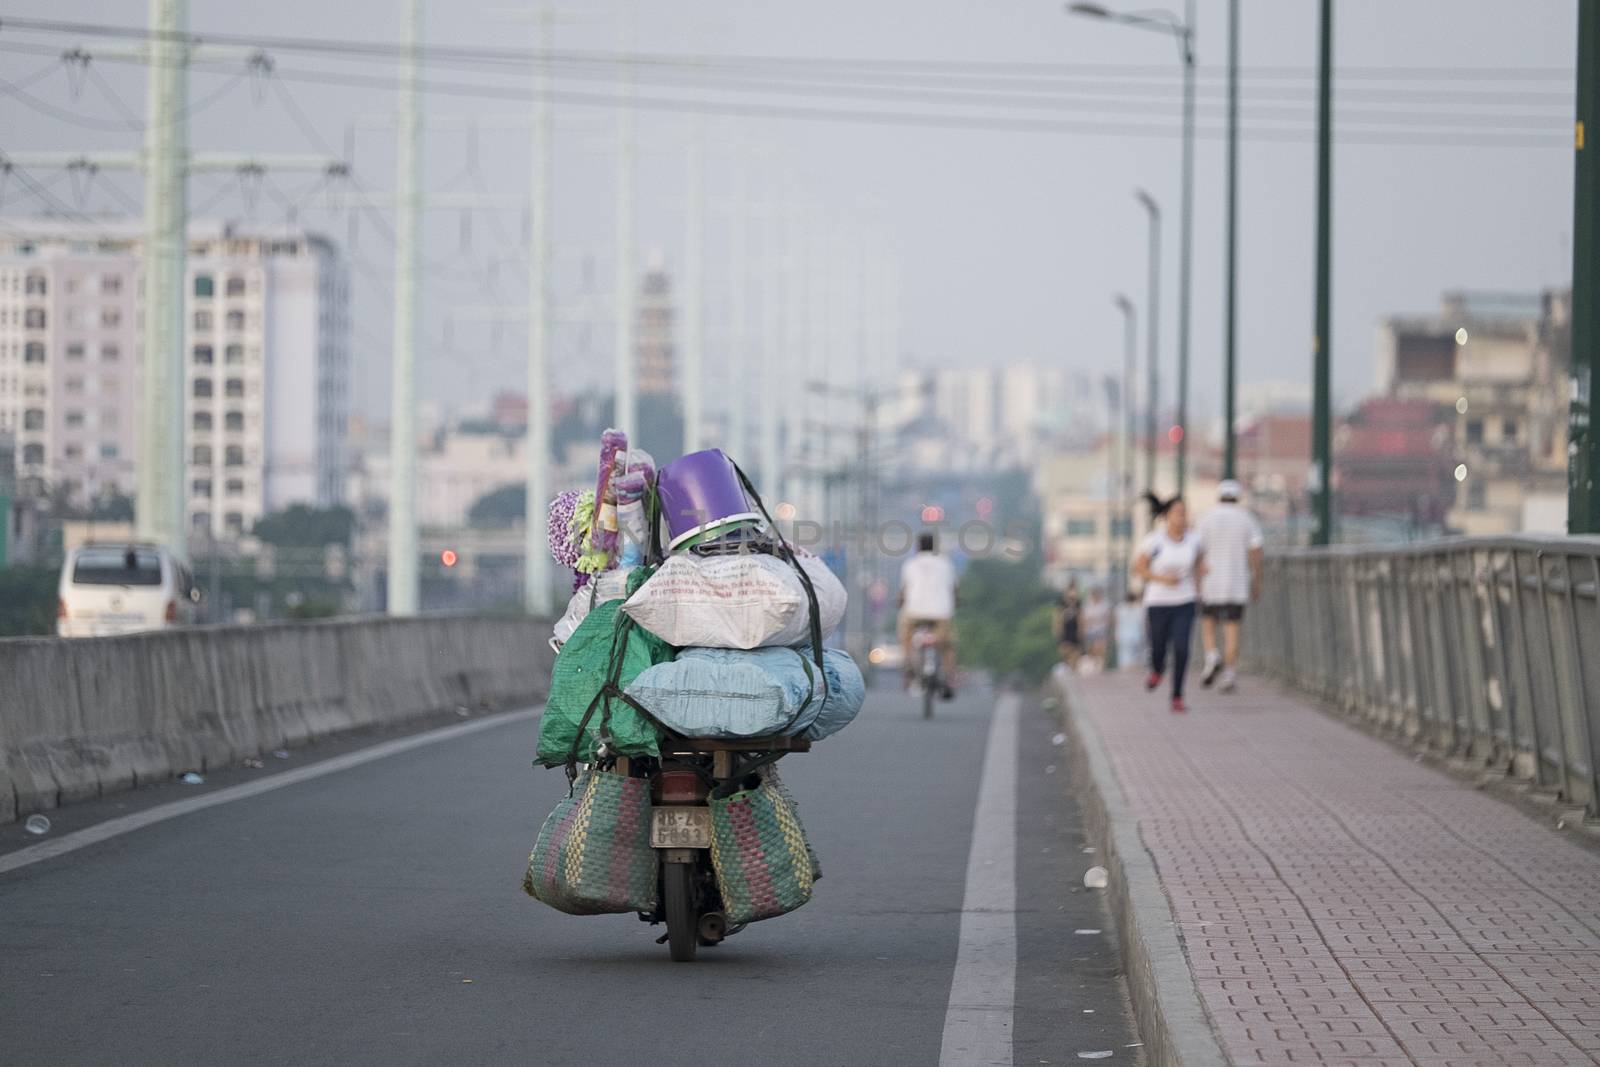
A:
681	783
677	687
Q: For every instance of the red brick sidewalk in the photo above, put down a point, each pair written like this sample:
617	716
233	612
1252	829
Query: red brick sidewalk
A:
1340	903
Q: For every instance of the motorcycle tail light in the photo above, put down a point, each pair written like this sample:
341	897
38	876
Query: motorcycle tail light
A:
681	787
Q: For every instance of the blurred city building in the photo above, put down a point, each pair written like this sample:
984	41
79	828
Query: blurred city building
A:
266	349
1393	464
1492	371
991	418
655	352
1089	537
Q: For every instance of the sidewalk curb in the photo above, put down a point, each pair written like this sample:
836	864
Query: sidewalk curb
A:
1172	1020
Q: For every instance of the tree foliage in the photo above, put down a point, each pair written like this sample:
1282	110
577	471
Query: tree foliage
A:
500	507
299	526
660	430
1003	622
28	600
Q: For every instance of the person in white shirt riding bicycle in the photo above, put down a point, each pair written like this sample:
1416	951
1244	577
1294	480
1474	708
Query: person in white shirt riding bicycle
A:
928	596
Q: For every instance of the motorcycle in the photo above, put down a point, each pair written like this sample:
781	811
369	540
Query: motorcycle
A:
682	780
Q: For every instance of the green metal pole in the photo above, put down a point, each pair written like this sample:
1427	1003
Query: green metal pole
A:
1152	398
1229	373
1583	464
1321	438
1186	256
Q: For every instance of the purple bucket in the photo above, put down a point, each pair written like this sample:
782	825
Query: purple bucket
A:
701	495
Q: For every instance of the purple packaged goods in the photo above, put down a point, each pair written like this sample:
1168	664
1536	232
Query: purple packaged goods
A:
613	443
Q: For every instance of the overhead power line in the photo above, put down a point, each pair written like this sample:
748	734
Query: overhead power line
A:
127	123
944	88
1421	130
526	58
940	120
1268	121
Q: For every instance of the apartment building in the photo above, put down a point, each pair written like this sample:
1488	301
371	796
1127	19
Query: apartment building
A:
267	381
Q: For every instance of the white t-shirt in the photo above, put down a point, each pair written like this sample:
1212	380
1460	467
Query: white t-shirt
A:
928	584
1174	559
1228	532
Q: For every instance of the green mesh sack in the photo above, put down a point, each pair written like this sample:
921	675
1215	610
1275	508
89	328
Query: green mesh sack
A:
771	775
606	647
760	854
593	854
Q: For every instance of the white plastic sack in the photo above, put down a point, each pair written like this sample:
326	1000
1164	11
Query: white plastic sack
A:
611	585
748	600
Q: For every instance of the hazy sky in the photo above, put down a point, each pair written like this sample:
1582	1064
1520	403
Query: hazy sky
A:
1008	244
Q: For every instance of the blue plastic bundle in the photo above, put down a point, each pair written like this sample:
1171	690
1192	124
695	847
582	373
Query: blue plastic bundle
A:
761	692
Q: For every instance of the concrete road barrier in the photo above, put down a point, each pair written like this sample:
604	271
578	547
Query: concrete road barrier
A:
81	718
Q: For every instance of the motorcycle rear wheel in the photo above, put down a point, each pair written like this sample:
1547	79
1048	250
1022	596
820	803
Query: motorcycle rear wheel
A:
678	900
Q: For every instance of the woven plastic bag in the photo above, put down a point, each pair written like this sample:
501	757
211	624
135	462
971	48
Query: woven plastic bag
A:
577	714
759	851
593	854
771	774
744	600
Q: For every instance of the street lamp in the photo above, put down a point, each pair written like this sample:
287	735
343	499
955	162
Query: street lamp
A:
1152	337
1183	31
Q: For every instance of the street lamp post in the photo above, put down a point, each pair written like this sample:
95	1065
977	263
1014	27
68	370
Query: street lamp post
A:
1230	387
1583	465
1152	339
1321	398
1130	329
1183	31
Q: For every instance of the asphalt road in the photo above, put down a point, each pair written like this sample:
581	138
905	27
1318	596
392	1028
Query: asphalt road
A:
374	915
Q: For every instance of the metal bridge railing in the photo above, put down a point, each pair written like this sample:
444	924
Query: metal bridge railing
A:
1485	648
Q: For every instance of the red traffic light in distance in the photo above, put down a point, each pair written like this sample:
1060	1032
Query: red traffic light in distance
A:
932	513
1175	434
448	557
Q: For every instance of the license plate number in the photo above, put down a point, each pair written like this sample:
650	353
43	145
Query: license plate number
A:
680	827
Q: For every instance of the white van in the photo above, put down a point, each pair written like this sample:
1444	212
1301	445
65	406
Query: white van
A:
122	589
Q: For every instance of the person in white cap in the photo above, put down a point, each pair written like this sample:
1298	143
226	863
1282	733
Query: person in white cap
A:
1233	542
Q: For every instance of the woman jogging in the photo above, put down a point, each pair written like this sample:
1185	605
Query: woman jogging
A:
1171	561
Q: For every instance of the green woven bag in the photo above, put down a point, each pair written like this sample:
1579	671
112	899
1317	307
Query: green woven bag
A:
771	774
593	854
759	851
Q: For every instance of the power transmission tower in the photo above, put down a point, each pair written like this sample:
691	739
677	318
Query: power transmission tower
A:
166	164
403	593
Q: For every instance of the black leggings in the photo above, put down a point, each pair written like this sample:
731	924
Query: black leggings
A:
1171	624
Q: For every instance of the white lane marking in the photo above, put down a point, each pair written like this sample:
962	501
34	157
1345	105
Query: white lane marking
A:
127	824
977	1023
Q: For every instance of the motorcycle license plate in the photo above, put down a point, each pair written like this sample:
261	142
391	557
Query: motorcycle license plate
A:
680	827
